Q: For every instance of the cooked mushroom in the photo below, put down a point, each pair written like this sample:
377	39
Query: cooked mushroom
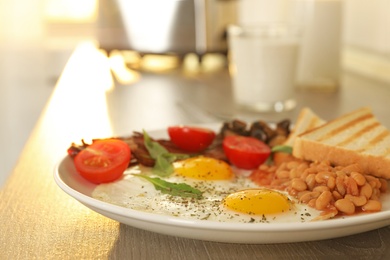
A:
236	126
258	129
261	130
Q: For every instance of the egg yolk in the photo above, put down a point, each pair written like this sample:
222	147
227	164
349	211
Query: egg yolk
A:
204	168
257	202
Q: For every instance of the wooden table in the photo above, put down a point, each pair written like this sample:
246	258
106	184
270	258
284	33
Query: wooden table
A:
39	221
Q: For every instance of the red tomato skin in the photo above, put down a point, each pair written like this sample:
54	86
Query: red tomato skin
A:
103	161
191	139
245	152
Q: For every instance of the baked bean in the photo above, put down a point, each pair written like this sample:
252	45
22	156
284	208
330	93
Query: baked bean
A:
292	165
304	175
294	173
283	174
302	167
322	177
336	195
309	196
340	185
375	194
264	167
352	168
324	187
323	200
298	184
370	178
374	182
351	185
292	192
331	182
372	205
340	174
301	193
366	191
359	178
358	201
273	168
374	197
311	181
345	206
321	188
383	185
323	168
312	203
279	182
310	170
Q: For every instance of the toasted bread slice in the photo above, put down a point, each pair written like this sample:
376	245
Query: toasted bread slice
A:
354	138
306	121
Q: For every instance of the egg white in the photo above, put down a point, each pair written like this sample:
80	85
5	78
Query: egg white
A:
139	194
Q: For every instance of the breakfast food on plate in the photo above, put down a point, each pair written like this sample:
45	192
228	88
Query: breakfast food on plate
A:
259	129
306	121
235	175
226	195
354	138
335	190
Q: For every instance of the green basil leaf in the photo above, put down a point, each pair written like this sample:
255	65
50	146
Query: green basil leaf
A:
164	159
175	156
154	148
171	188
163	166
282	148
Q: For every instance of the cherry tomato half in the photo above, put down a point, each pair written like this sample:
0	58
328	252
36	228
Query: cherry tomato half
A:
191	139
245	152
103	160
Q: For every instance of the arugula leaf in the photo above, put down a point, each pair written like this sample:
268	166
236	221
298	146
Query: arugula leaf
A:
154	148
282	148
163	166
175	189
164	159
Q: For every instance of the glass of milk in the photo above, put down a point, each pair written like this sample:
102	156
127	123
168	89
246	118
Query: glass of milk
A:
262	64
319	66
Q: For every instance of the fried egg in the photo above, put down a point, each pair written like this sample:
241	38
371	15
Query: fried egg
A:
204	168
228	195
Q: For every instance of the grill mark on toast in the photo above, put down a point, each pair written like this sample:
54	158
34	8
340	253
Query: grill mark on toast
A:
358	133
344	126
381	136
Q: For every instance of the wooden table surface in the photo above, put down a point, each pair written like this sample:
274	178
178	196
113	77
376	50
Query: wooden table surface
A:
40	221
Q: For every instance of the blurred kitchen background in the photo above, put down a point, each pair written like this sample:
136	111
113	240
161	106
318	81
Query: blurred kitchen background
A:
37	38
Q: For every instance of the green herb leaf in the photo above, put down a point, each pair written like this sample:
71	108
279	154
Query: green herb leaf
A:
164	159
278	148
163	166
154	148
282	148
174	189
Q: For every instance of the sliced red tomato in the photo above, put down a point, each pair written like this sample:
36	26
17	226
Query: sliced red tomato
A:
245	152
191	139
103	160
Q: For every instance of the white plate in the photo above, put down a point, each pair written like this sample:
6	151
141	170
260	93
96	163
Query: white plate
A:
73	184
